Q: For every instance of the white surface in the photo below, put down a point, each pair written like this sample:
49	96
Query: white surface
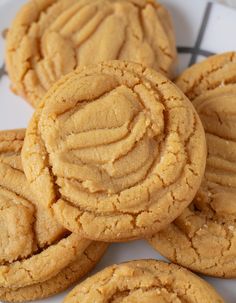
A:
16	113
221	24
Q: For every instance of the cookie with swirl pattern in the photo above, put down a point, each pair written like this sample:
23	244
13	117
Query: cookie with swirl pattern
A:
144	281
50	38
116	150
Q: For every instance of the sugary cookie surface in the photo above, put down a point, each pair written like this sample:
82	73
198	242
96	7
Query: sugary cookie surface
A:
85	262
203	238
144	281
34	248
21	232
50	38
117	151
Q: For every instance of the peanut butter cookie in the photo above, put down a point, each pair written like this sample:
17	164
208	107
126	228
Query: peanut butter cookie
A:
116	150
50	38
37	256
144	281
203	238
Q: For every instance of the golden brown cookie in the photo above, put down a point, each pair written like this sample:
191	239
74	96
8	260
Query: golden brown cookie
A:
37	256
50	38
116	150
65	278
144	281
203	238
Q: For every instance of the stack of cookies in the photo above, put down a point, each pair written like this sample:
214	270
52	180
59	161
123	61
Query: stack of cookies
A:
114	152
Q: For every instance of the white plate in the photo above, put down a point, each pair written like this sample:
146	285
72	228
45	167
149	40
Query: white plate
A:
188	16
